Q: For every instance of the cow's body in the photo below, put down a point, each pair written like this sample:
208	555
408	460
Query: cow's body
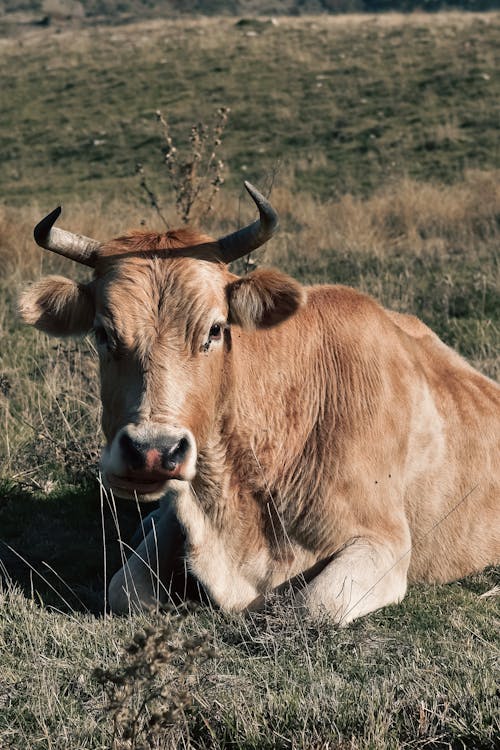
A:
347	431
325	434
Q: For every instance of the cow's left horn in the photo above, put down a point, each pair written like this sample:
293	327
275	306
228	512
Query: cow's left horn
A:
74	246
243	241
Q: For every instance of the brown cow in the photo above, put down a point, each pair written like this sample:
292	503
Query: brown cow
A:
292	429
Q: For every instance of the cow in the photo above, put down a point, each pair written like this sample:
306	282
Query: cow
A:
291	433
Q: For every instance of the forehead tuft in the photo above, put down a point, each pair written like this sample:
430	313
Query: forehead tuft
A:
179	257
140	244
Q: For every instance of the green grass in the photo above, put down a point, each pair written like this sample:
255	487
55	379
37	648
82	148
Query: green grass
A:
342	105
423	674
421	234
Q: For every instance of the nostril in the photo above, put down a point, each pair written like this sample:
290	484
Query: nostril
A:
176	454
182	447
131	451
169	461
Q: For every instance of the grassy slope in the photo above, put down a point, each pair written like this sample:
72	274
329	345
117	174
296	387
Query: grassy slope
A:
424	673
347	104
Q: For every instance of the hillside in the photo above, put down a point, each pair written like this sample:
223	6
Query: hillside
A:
126	9
341	105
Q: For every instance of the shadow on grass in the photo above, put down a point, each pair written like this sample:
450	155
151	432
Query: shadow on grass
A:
59	548
62	548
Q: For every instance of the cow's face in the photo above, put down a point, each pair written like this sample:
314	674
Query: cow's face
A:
162	324
161	333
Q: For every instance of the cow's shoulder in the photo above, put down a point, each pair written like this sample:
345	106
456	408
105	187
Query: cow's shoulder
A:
350	304
411	325
355	320
344	304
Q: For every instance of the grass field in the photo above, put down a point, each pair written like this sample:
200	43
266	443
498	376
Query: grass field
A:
380	139
342	103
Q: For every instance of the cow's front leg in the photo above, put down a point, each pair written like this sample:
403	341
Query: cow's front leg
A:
363	576
152	573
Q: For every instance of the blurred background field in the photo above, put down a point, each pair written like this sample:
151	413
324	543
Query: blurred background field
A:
342	103
378	139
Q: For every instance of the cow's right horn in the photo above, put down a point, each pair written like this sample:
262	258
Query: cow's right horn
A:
74	246
249	238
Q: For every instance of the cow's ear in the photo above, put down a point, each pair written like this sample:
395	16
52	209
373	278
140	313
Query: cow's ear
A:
58	306
263	298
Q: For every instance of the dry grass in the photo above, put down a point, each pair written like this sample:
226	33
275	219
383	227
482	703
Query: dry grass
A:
422	674
144	708
392	244
404	216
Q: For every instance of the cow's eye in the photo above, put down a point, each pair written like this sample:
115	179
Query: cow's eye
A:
101	336
215	332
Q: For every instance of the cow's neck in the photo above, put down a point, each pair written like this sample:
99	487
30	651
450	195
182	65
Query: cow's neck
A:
265	454
243	541
275	402
290	405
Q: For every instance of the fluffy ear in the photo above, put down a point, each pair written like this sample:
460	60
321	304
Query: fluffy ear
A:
263	298
58	306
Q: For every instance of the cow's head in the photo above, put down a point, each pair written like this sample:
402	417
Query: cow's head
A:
161	307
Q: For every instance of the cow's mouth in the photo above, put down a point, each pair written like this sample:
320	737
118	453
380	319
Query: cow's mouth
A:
143	484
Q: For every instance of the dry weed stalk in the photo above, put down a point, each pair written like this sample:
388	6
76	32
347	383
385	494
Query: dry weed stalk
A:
152	197
195	178
143	704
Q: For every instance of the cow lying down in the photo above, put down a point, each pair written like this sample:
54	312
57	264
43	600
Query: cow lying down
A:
289	429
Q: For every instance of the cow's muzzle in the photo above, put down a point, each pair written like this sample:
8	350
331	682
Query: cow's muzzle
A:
141	461
162	455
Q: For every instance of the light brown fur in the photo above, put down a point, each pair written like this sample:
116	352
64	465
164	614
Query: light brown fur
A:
326	426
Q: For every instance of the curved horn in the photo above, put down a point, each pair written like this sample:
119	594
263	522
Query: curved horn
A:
74	246
243	241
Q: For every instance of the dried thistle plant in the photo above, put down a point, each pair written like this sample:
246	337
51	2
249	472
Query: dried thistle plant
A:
152	197
197	176
150	691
